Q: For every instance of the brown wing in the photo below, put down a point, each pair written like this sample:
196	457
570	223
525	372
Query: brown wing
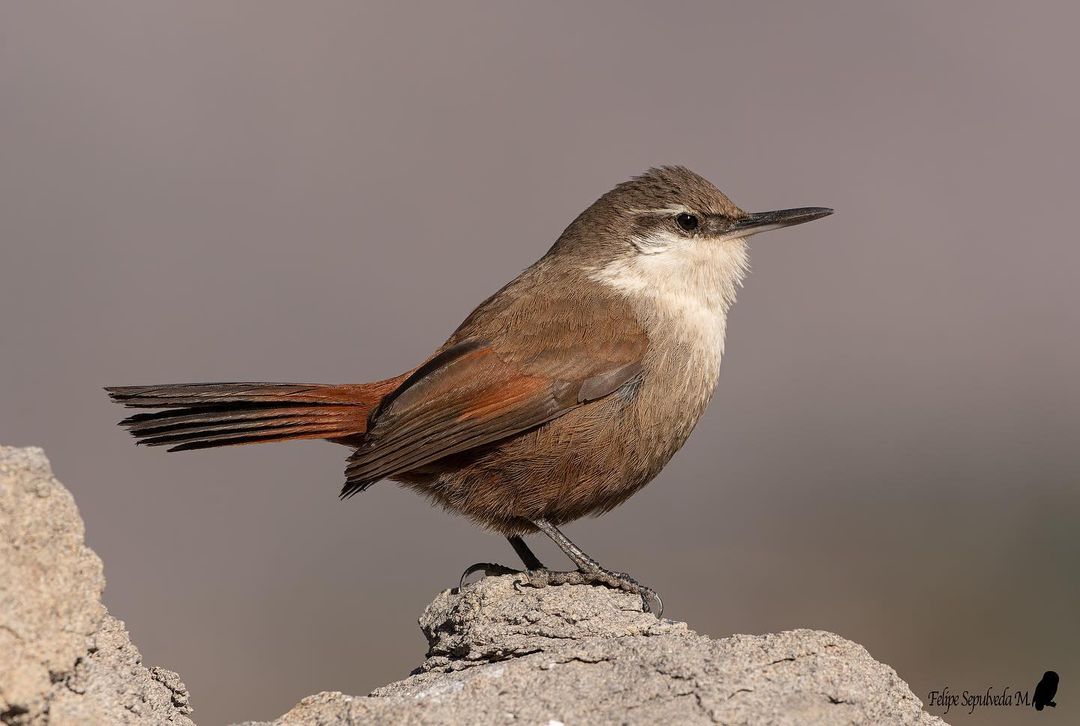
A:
475	391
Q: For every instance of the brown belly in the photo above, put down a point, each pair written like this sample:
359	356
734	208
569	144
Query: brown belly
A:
584	462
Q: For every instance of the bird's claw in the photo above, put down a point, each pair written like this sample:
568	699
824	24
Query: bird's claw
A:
545	577
490	569
614	580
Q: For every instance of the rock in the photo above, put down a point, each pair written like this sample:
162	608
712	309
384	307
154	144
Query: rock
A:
498	652
501	652
63	659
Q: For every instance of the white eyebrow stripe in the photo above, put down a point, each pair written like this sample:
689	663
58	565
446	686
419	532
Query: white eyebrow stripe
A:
662	210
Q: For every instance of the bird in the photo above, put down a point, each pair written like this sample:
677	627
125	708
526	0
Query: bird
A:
557	398
1045	691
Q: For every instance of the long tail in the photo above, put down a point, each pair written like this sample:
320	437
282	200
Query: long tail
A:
204	415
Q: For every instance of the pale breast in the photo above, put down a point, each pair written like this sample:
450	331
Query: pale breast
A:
682	294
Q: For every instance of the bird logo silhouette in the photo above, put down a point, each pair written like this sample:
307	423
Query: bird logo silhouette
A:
1045	691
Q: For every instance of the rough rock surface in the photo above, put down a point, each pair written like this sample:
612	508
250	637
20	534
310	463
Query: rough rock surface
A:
63	659
502	653
499	651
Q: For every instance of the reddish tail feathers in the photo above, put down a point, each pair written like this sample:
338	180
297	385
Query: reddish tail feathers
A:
204	415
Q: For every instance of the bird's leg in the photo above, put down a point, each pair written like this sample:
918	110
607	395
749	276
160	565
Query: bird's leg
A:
589	571
530	560
491	569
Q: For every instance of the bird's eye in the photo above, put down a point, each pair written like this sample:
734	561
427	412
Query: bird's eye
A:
687	222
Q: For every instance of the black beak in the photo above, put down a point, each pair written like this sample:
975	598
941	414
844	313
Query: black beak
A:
764	221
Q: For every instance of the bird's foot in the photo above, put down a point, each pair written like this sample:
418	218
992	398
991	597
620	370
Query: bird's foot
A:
599	576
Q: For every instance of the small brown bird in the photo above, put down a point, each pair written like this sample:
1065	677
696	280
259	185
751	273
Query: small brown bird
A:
559	396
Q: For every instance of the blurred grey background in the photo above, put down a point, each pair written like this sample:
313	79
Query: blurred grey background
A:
322	191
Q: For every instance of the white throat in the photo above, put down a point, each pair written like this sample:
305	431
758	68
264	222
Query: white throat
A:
682	289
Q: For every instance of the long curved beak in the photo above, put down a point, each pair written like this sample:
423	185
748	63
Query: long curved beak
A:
756	222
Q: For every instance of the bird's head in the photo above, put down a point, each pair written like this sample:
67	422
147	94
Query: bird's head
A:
671	233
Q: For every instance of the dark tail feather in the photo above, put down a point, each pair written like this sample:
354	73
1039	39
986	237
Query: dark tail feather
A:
204	415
